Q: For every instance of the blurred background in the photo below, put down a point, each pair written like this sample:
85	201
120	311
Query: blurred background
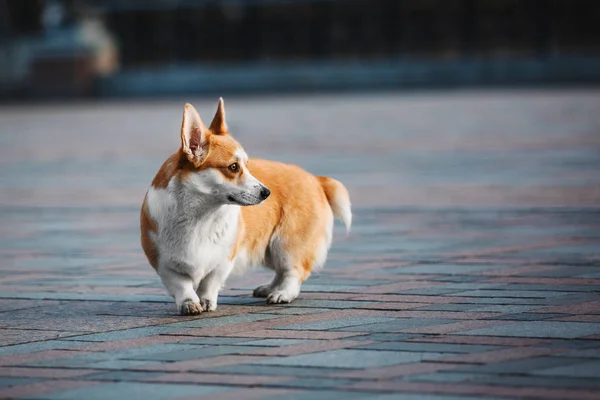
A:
466	131
124	48
456	125
446	103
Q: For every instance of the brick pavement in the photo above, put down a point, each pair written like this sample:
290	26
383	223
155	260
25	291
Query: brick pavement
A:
472	270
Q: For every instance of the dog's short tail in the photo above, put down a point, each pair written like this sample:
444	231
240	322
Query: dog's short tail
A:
338	198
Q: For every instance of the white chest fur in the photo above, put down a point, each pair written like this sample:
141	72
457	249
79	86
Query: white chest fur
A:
191	238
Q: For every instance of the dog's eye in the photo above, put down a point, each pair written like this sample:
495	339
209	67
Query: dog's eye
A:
234	167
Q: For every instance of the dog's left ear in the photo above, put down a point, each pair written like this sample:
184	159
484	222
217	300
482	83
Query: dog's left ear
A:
218	124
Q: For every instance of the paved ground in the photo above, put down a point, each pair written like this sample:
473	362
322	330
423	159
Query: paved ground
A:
472	270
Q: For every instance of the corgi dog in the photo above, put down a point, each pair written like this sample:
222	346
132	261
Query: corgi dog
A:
211	211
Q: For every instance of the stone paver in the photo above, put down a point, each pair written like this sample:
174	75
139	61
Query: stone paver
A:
472	269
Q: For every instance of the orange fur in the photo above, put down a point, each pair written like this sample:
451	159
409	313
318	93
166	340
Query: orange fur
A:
169	169
293	191
147	226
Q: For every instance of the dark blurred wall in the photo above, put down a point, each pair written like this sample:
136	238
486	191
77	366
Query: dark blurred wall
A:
213	31
169	46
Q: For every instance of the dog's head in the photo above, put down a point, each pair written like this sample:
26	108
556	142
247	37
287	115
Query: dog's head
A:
215	164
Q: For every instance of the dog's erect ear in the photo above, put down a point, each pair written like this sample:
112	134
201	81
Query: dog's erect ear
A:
194	136
218	124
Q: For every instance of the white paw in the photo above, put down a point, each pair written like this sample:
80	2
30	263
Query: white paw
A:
280	296
208	305
262	291
188	307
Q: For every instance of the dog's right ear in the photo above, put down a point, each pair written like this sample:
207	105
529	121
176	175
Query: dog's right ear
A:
194	136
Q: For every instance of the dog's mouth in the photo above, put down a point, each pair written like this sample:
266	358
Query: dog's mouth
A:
244	200
233	199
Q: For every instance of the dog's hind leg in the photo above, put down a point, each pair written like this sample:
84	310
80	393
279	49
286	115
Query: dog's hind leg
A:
297	247
285	286
267	288
287	289
293	262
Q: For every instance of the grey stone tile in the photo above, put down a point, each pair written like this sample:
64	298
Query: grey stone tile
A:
37	346
386	337
334	280
275	370
307	287
429	347
429	291
190	354
444	269
323	395
74	361
442	376
12	381
316	383
541	329
214	340
448	307
225	320
592	275
83	296
341	304
273	342
459	278
159	348
526	294
575	249
590	369
574	344
295	311
399	324
554	287
240	300
528	316
500	308
523	366
116	364
511	301
584	353
350	359
507	380
476	286
565	272
504	308
121	376
336	323
127	334
133	391
339	394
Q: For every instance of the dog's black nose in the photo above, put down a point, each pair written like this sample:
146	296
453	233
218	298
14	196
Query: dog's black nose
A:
264	193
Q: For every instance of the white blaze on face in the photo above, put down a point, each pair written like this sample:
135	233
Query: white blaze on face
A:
250	183
252	189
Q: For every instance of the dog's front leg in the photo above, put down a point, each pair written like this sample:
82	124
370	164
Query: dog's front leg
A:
181	287
211	284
